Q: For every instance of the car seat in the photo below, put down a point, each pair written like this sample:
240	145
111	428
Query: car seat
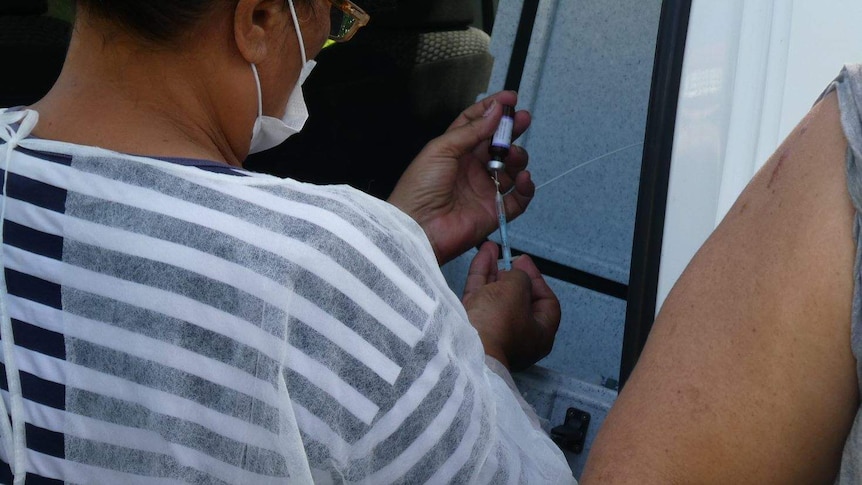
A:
375	101
34	46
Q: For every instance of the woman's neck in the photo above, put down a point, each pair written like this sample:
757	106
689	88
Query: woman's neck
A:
122	100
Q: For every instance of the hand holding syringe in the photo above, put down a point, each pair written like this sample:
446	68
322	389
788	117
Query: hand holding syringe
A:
447	189
499	148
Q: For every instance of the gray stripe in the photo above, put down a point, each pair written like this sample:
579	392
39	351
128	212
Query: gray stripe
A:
446	445
174	381
502	461
354	317
172	279
347	367
385	396
417	359
409	431
175	430
136	462
176	332
359	218
270	265
153	178
305	393
469	470
319	455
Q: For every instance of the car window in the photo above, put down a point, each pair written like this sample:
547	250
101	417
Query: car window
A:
587	80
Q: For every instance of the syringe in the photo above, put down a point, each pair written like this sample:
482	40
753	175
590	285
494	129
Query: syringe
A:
506	262
499	149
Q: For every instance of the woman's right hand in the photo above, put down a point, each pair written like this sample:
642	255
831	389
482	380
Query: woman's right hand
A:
447	188
515	312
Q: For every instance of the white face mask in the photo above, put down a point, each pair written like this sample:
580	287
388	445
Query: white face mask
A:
269	131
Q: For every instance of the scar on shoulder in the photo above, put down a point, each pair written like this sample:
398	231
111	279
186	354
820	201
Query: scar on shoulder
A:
785	152
777	169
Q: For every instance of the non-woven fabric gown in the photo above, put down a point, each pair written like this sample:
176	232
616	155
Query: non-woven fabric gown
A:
180	320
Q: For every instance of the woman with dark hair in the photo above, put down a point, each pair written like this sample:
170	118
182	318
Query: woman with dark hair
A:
167	316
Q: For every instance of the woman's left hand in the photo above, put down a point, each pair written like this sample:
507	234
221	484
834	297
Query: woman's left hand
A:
447	188
515	312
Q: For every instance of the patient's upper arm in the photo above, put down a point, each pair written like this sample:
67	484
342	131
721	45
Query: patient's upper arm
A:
748	375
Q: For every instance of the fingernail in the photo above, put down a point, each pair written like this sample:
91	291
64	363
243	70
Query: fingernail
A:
490	108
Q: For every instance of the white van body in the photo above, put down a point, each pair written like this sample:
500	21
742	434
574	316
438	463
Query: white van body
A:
781	54
750	70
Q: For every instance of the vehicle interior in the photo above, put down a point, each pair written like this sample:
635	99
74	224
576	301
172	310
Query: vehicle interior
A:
28	32
398	83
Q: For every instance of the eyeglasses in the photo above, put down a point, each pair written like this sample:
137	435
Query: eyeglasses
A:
345	19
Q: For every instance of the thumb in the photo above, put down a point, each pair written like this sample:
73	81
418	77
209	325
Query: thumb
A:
463	139
483	268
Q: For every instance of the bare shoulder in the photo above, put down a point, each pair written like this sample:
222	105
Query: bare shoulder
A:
748	375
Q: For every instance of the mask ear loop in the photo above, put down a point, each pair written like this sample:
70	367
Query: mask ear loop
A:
298	31
259	93
301	51
14	437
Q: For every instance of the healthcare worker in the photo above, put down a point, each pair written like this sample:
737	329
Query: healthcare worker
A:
170	317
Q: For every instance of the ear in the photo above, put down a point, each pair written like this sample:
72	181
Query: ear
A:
255	24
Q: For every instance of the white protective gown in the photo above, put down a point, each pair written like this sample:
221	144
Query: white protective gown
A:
178	321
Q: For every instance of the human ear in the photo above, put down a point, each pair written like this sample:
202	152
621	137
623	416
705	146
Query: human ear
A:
255	22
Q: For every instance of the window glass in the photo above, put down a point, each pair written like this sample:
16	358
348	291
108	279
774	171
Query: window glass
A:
586	81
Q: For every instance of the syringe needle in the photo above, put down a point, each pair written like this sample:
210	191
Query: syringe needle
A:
504	235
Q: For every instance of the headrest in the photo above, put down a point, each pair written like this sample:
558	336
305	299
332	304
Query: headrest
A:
423	15
375	7
23	7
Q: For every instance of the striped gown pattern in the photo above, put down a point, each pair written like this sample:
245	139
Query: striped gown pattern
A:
179	321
